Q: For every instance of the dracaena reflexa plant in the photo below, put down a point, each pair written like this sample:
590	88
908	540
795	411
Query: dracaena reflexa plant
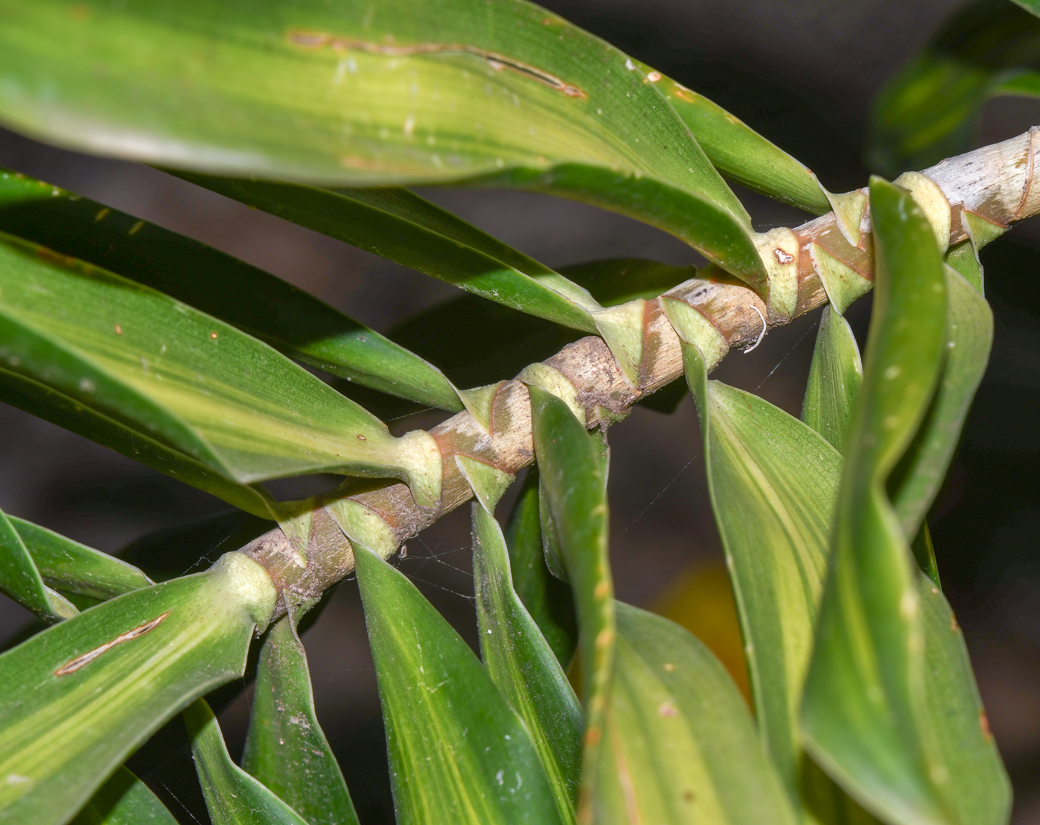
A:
156	346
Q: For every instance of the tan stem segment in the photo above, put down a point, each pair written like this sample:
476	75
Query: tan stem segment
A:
995	184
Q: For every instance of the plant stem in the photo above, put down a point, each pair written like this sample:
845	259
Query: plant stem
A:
989	187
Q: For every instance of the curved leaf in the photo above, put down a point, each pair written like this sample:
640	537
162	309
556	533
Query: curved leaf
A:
363	95
65	411
136	356
915	482
458	752
680	745
82	695
572	468
74	568
233	797
409	230
548	599
930	110
741	153
286	750
773	483
523	665
256	302
21	580
835	376
872	705
124	800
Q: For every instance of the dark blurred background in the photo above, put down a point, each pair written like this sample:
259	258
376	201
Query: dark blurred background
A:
804	74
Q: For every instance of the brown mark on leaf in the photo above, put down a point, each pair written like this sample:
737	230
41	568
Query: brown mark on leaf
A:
984	724
667	709
953	624
81	661
498	62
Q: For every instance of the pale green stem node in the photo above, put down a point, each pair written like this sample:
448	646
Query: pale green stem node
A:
778	249
621	327
694	329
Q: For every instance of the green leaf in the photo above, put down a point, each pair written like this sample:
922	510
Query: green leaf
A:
741	153
773	483
286	750
908	746
64	411
256	302
548	599
81	696
680	745
458	752
834	380
124	800
21	580
364	96
189	381
929	111
523	666
915	482
233	797
1032	6
409	230
74	568
572	467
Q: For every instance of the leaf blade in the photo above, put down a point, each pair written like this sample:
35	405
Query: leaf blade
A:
124	800
86	692
248	298
682	736
457	751
867	705
317	94
233	797
523	665
285	749
135	355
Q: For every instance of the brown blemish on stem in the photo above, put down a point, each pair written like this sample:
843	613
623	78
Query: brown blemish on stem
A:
318	40
87	658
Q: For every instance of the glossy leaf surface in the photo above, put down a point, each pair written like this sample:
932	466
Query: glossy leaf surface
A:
572	468
74	568
286	750
931	109
458	752
915	482
82	695
362	95
127	439
233	797
548	599
835	377
401	226
773	483
680	744
187	380
248	298
21	580
523	665
872	703
741	153
124	800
